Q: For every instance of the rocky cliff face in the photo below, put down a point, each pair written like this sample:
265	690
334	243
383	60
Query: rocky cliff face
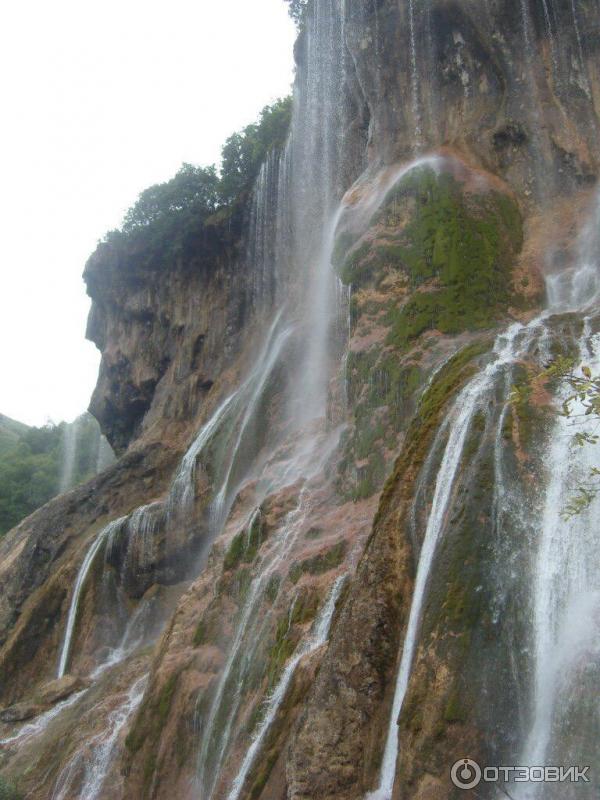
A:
322	564
166	327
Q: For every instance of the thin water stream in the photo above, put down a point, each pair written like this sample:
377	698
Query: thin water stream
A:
313	642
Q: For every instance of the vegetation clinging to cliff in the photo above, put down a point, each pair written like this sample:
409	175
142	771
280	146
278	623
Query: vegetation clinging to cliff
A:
297	10
167	214
455	249
9	791
245	151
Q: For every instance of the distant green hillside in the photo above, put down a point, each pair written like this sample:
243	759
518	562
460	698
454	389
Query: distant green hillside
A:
10	432
38	463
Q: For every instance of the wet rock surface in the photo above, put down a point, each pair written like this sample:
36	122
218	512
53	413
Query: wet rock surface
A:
223	529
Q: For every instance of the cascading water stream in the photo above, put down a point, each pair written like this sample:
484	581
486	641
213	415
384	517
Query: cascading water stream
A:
93	551
414	75
469	401
315	640
551	37
287	538
566	586
41	723
259	379
91	763
181	495
584	77
570	291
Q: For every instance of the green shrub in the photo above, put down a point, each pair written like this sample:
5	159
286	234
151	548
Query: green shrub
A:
170	219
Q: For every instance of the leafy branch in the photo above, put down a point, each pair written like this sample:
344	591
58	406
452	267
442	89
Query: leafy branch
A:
585	392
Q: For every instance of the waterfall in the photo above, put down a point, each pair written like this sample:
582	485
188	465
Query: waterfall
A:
584	77
565	580
553	603
92	762
245	628
41	723
91	554
313	377
105	455
313	642
316	157
69	435
468	402
414	75
181	494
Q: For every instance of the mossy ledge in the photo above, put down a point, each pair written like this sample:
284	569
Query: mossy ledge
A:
427	418
456	251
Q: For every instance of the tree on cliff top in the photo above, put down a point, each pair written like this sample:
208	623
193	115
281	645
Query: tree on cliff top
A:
297	10
195	188
170	210
245	151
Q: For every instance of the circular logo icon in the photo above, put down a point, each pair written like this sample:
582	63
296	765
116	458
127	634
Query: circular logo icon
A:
466	774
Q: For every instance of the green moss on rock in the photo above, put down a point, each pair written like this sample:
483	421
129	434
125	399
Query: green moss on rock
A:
286	640
321	563
456	249
272	589
246	544
149	724
9	791
428	416
455	710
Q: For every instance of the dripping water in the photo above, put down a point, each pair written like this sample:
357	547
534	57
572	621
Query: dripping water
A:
312	643
91	763
207	773
582	64
41	723
551	37
414	76
93	551
105	457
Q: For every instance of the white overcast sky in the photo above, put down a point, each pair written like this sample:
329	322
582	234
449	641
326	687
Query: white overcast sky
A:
100	100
